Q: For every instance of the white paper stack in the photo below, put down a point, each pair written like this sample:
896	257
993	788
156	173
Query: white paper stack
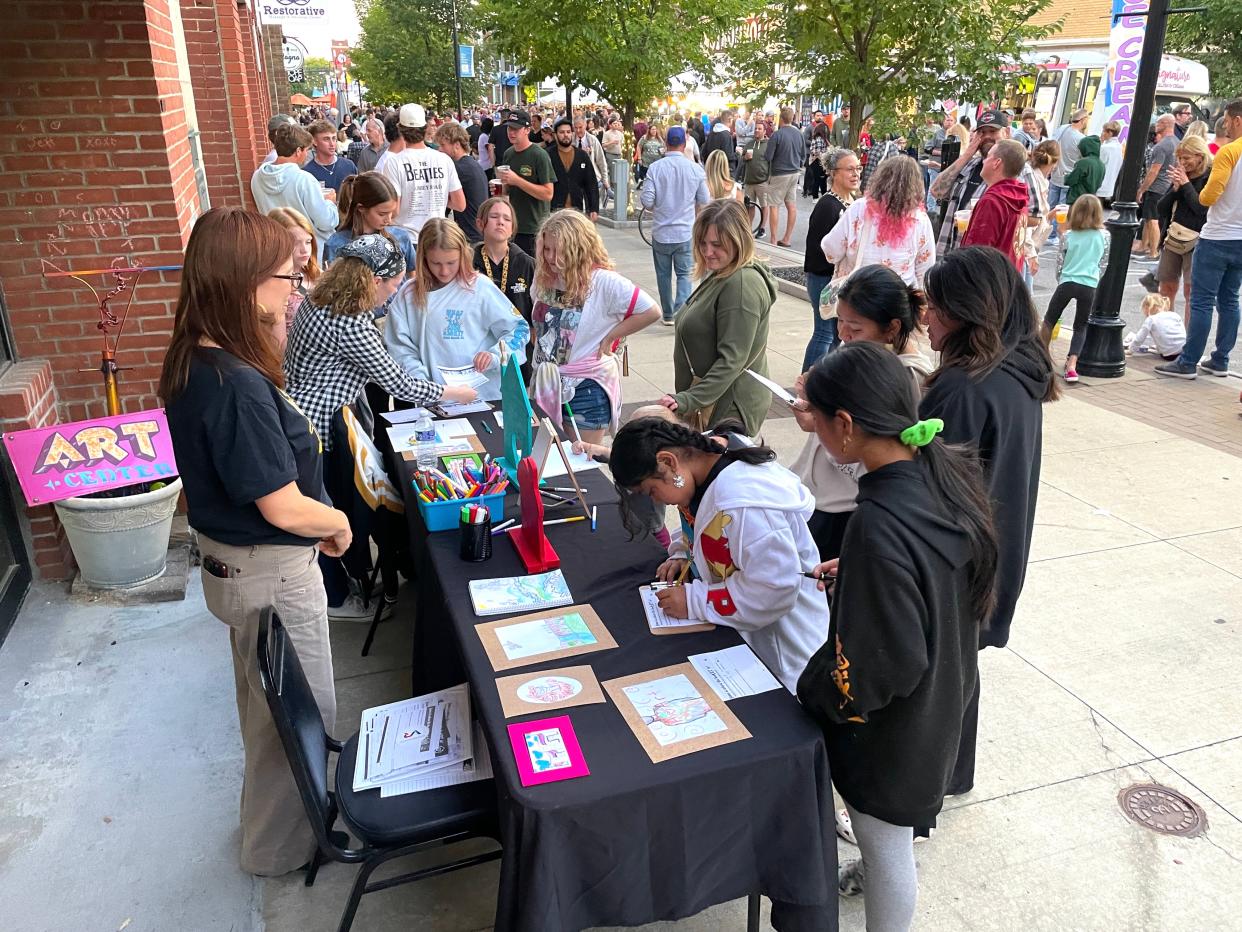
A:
424	737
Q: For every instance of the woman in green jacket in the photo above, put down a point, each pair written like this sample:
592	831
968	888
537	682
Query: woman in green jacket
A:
723	329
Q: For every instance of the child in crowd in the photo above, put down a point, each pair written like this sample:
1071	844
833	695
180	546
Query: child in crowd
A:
367	203
751	545
449	316
305	248
643	515
915	581
1080	263
874	306
1163	331
583	310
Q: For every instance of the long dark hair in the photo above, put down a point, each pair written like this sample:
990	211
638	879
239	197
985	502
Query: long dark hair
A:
882	296
873	386
230	252
979	288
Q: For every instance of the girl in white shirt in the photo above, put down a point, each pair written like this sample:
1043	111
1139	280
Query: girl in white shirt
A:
888	227
1163	331
719	184
451	317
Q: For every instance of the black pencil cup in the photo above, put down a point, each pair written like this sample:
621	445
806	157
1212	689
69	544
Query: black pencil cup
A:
476	540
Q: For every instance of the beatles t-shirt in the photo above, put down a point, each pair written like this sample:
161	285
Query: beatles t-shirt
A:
566	333
424	179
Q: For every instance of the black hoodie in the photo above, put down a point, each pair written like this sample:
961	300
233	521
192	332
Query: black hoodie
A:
890	685
1001	415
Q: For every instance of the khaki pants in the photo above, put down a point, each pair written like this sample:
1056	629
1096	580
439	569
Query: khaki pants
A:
276	837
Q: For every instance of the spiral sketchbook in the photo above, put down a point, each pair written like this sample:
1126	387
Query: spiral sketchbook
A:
519	593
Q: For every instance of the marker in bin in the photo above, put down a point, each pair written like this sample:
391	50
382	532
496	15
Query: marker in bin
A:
461	481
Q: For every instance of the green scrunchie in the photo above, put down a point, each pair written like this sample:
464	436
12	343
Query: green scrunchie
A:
922	433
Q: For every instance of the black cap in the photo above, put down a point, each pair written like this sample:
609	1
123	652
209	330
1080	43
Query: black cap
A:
518	120
996	119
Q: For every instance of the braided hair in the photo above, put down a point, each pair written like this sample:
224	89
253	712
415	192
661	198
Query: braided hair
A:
634	450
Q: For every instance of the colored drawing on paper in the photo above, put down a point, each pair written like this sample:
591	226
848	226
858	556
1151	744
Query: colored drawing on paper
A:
674	709
549	689
545	636
514	593
547	750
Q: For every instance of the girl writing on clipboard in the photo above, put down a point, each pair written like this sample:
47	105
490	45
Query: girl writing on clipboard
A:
751	546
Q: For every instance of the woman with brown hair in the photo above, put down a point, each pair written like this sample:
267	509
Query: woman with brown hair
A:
723	328
368	202
250	461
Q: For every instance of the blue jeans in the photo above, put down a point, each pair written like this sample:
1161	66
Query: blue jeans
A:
672	258
592	408
1057	194
1215	280
825	333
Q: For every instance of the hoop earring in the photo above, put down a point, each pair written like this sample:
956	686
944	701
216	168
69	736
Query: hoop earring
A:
679	481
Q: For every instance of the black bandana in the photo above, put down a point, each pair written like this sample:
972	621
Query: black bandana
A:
378	251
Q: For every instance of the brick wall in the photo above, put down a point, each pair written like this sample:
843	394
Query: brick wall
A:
95	165
274	65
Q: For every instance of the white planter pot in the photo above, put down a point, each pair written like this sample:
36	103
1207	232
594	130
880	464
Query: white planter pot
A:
120	542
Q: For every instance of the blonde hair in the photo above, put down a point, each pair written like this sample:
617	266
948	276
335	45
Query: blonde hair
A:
579	252
485	212
1196	146
440	233
1086	213
1154	304
719	184
1196	130
292	219
732	225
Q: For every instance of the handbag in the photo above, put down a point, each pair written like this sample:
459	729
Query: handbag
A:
1180	239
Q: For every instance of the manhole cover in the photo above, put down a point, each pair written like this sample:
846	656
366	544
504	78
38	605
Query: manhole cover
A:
1162	810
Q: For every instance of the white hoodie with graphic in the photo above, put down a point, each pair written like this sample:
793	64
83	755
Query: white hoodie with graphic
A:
751	547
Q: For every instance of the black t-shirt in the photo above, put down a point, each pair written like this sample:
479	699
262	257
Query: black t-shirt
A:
824	217
474	185
238	438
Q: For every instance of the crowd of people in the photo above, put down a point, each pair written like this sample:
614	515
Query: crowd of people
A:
360	279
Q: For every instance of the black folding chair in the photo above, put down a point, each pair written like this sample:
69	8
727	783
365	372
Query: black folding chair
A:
388	828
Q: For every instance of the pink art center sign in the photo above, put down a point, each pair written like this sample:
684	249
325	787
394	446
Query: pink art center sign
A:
67	460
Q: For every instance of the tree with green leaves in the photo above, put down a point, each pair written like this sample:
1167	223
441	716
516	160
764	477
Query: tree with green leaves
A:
885	54
406	53
627	51
1211	37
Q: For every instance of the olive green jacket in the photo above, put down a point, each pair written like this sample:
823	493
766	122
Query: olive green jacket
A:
722	331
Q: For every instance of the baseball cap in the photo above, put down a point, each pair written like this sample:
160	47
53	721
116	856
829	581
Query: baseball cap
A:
996	119
518	120
412	116
277	121
676	136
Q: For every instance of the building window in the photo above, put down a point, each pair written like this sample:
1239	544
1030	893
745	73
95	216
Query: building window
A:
8	353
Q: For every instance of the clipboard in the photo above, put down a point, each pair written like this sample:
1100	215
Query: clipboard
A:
660	624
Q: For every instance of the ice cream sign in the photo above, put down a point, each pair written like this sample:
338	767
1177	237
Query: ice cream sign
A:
66	460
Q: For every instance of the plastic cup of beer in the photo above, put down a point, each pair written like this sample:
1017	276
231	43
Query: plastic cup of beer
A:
1062	213
962	220
495	184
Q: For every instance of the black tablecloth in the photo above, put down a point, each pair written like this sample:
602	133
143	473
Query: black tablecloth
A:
634	842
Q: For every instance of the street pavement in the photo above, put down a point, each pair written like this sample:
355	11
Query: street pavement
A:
122	763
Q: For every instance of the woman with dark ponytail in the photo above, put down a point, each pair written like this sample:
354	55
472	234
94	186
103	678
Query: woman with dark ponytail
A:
915	581
750	545
877	306
995	375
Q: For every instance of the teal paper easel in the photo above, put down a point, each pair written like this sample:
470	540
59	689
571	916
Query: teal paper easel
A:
515	406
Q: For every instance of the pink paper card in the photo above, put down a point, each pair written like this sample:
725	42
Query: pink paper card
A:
547	750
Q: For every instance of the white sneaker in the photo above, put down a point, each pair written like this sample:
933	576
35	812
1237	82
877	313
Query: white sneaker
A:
354	609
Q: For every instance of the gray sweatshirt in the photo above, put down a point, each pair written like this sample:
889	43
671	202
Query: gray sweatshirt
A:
786	151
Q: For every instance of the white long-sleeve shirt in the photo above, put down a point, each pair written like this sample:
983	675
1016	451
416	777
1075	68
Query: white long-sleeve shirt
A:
853	242
1164	331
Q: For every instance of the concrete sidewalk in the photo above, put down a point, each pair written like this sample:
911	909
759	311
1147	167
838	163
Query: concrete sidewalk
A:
121	764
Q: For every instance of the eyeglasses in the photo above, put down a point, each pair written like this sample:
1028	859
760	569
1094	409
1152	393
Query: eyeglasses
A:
852	169
295	280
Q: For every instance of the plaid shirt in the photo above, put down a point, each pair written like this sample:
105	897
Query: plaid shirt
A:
875	155
330	357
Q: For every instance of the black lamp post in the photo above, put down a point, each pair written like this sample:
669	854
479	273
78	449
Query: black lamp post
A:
1102	354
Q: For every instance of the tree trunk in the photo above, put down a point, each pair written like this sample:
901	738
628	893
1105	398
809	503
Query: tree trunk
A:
569	96
628	109
856	121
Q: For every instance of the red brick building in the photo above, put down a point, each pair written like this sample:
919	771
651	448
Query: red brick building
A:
123	121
